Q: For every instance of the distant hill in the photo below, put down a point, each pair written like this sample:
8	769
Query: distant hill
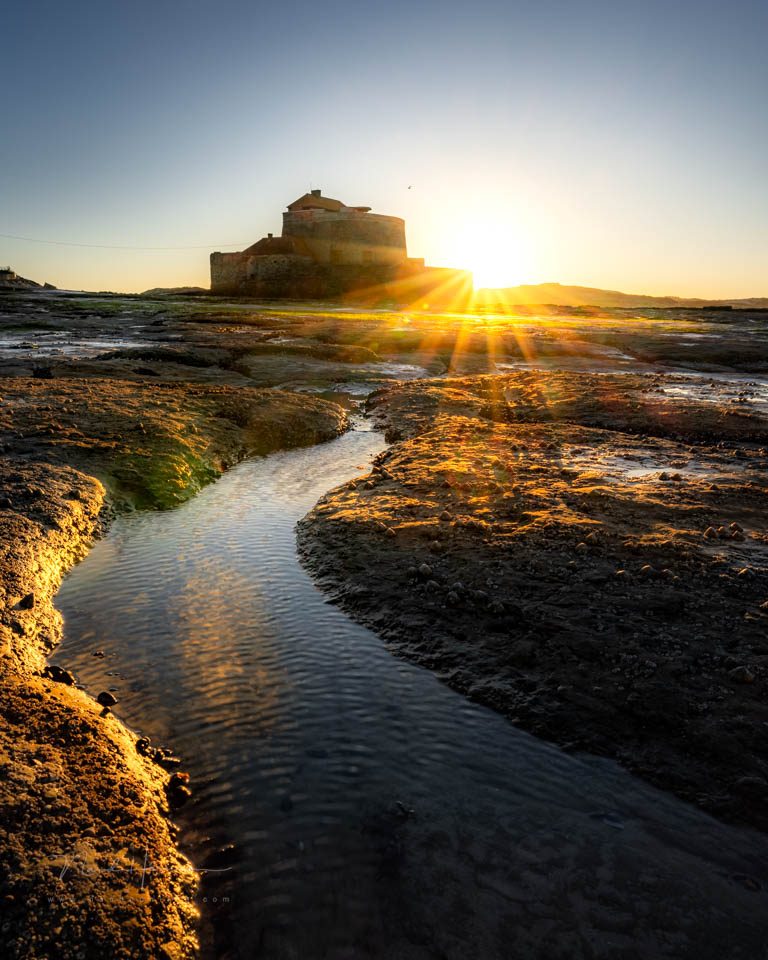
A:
557	293
171	291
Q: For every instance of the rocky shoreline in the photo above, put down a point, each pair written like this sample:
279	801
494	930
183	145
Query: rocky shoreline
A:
89	865
587	555
565	547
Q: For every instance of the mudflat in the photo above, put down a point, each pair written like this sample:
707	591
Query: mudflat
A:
569	525
585	553
88	861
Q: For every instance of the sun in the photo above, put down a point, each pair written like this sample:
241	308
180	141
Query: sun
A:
493	251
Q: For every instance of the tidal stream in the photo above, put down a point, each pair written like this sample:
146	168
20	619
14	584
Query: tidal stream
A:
371	811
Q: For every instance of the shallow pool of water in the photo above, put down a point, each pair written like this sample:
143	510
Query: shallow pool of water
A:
373	812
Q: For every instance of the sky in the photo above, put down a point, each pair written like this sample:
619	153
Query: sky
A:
610	144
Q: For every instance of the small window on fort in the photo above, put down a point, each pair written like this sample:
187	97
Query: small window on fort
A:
335	255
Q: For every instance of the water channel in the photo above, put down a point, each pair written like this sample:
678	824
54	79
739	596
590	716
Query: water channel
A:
350	804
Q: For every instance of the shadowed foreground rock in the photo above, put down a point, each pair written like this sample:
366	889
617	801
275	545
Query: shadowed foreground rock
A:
604	589
88	864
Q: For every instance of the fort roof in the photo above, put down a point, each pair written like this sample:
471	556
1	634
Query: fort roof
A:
314	201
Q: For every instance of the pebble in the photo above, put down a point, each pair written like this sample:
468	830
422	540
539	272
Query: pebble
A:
389	532
425	570
59	674
435	546
106	699
445	515
710	533
647	571
178	791
757	784
741	674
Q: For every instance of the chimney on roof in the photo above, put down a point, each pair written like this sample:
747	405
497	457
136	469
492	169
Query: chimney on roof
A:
269	236
317	193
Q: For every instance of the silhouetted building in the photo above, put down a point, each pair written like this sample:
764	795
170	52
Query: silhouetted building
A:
328	249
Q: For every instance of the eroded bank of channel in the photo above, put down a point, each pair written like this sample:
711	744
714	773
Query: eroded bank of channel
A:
347	803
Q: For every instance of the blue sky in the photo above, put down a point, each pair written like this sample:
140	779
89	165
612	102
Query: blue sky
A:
614	144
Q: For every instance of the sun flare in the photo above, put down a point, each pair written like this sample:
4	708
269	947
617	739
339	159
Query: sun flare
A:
494	253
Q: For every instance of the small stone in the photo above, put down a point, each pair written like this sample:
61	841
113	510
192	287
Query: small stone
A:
178	792
581	547
168	761
752	784
664	476
710	533
737	536
381	527
106	699
425	570
27	602
647	571
445	515
452	597
737	528
389	532
741	674
591	539
59	675
496	607
143	746
435	546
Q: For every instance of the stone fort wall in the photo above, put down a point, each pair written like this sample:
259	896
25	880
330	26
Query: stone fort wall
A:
348	236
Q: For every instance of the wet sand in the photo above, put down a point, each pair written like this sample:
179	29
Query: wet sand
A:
586	554
594	594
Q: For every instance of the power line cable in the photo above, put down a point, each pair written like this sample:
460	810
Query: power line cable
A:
108	246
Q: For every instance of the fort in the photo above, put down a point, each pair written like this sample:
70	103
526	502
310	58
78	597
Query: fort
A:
330	250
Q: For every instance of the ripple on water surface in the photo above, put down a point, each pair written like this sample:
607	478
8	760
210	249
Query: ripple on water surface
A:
372	811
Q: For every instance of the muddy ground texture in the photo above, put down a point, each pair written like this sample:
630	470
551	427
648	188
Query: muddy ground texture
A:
88	862
503	541
587	554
